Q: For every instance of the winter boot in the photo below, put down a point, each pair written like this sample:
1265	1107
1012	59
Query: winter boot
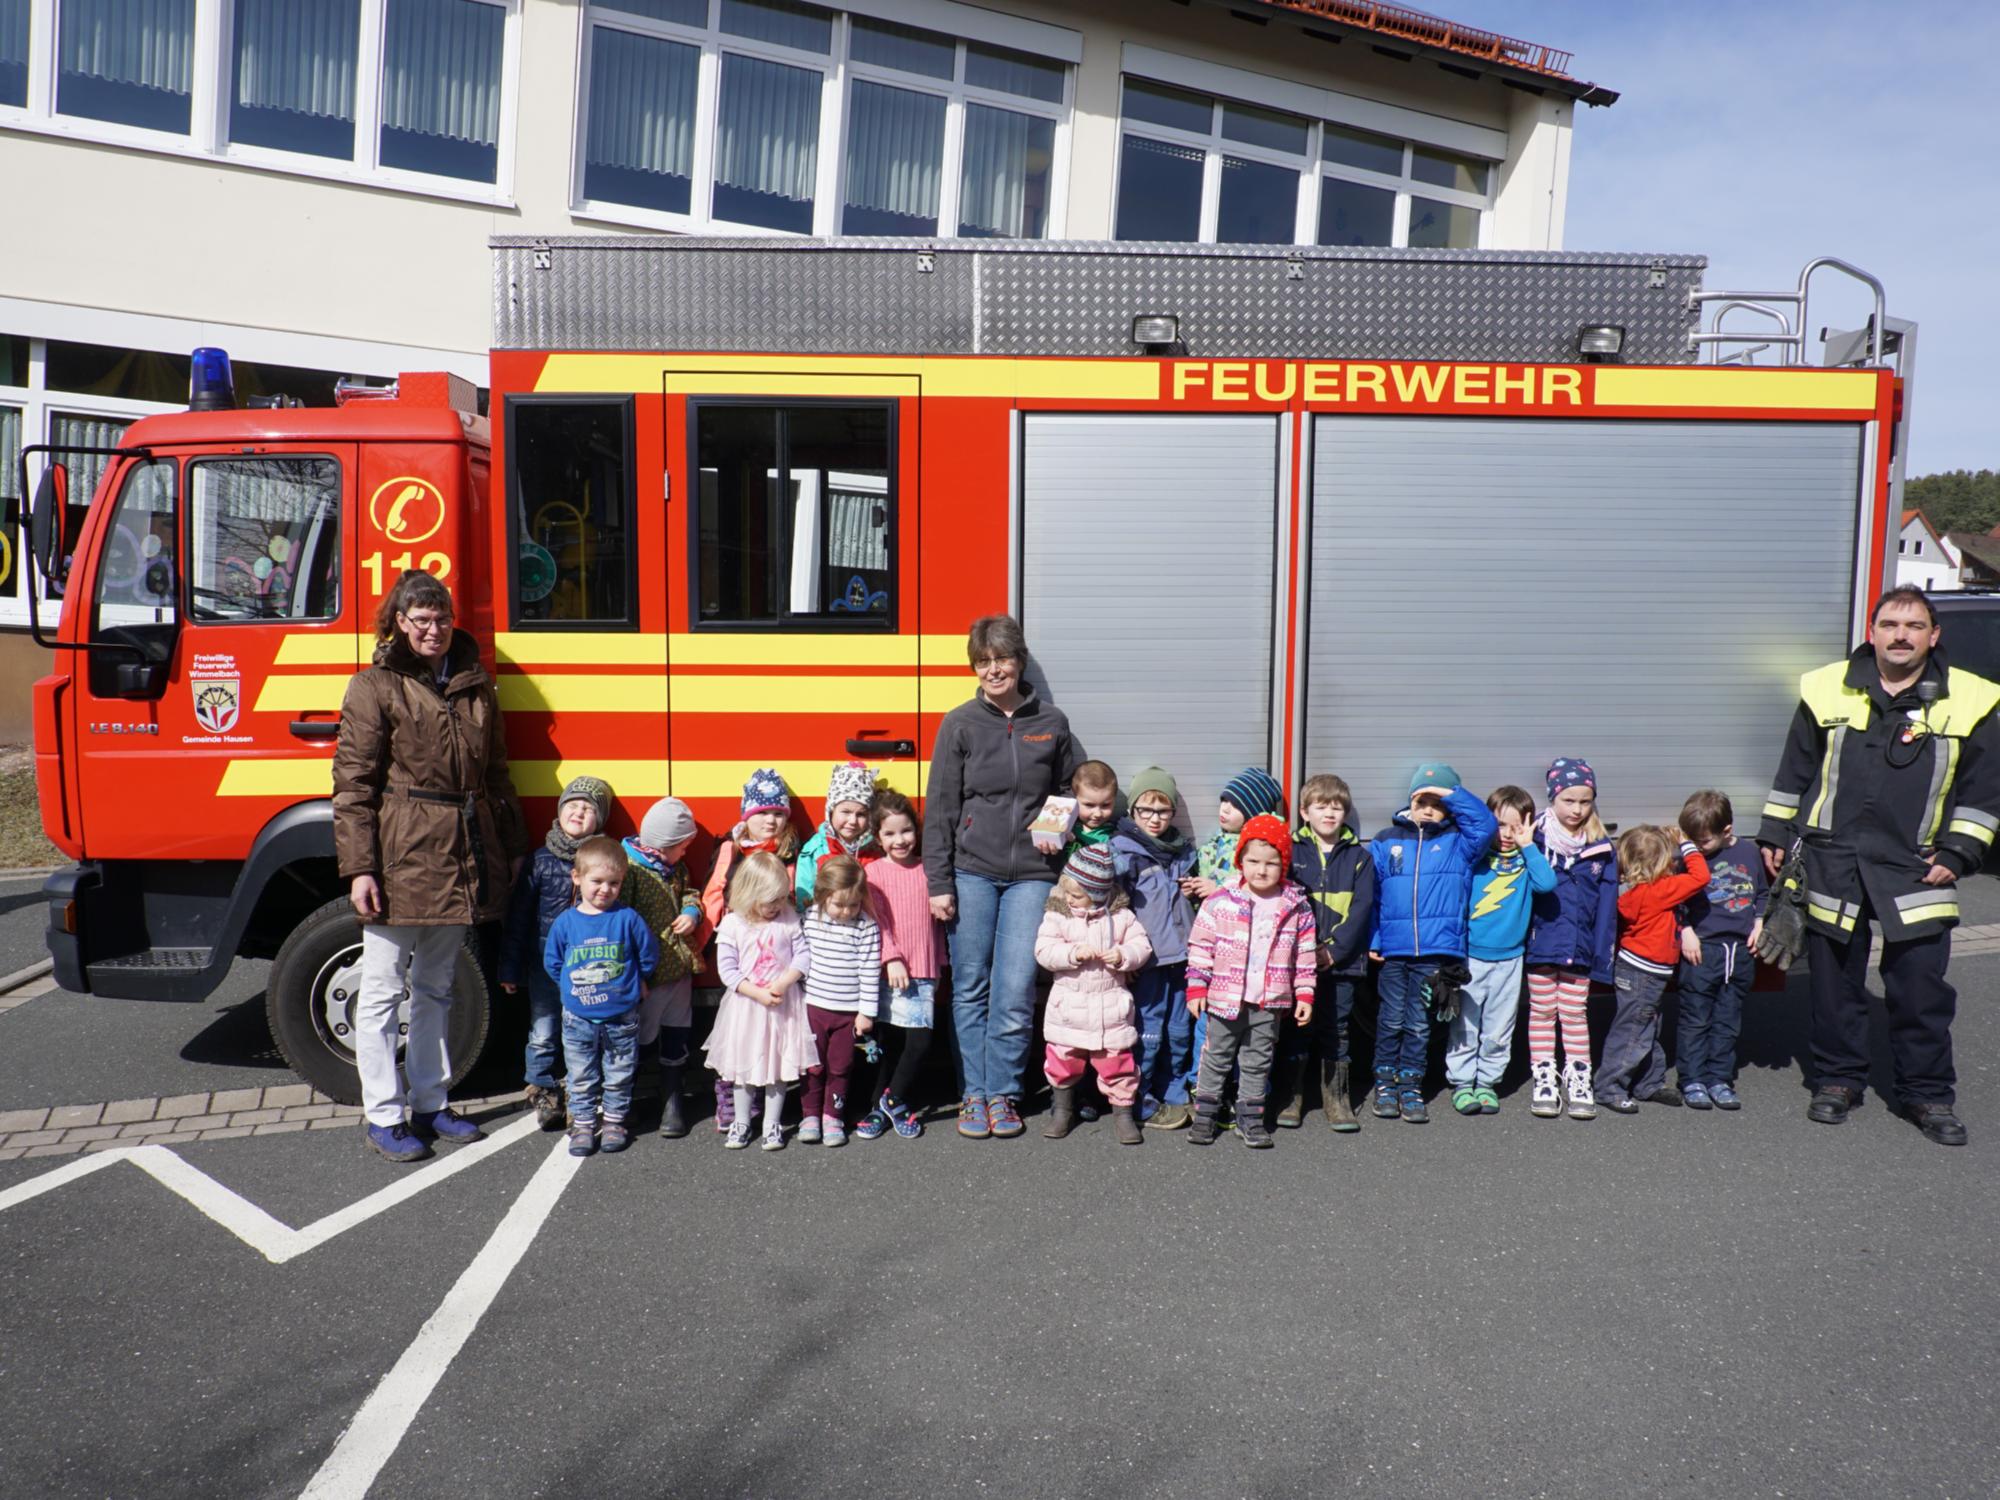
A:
1293	1115
548	1106
1250	1124
1386	1105
1333	1084
673	1109
1062	1112
1205	1128
1125	1119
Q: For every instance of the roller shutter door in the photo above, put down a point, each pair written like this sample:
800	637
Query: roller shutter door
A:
1642	594
1148	553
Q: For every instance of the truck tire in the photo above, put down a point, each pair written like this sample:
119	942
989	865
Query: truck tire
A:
315	985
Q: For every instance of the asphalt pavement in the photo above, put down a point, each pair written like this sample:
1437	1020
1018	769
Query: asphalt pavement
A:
1670	1303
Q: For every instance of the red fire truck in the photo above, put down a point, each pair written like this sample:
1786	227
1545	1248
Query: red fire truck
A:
737	501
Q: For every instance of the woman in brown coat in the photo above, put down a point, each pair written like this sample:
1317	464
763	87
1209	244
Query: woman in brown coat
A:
429	835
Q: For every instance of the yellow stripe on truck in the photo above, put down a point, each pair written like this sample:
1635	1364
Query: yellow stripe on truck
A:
322	649
298	777
607	649
590	693
796	375
1723	388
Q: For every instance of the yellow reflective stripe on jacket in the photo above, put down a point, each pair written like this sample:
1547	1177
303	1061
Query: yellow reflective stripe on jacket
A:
1927	906
1980	828
1831	700
1944	771
1821	816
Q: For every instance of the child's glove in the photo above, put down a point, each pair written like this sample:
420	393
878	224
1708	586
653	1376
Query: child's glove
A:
1441	990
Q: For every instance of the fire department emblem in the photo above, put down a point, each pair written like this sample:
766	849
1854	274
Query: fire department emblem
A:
216	702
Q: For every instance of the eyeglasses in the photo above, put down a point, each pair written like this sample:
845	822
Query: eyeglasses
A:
426	624
1150	813
992	664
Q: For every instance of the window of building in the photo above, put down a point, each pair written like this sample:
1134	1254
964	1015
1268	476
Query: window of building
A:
1918	547
265	534
1194	167
416	93
795	517
742	118
570	508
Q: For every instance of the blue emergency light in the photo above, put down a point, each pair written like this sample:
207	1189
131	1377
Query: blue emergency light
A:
211	385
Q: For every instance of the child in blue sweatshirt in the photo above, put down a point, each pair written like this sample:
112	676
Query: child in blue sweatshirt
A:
1482	1034
1423	880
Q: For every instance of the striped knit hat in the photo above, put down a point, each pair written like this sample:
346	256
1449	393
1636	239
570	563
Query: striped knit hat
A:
1090	867
1254	791
765	792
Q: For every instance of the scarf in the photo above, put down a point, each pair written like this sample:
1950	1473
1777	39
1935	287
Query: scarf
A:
561	845
1559	841
1167	849
653	859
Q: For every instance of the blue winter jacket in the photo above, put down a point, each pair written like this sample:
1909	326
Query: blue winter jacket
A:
1575	926
543	893
1152	878
1423	878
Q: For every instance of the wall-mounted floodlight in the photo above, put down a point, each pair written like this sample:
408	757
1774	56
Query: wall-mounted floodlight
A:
1600	341
1156	332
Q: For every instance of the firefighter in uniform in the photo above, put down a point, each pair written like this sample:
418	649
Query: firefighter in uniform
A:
1891	777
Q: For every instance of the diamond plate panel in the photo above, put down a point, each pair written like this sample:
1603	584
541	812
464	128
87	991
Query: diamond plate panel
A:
1039	298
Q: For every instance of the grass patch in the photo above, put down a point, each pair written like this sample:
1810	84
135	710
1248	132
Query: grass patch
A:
21	839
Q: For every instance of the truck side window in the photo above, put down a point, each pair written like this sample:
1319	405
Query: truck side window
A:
569	510
136	599
266	539
795	520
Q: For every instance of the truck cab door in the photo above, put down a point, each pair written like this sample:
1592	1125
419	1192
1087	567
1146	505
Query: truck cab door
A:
201	569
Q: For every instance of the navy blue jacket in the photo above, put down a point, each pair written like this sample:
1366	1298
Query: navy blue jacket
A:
1152	879
1342	887
543	893
1423	878
1575	926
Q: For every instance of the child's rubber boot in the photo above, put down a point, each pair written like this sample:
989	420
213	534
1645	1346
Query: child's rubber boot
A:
1333	1085
1125	1120
1387	1107
1293	1115
1205	1128
1062	1112
1250	1124
673	1107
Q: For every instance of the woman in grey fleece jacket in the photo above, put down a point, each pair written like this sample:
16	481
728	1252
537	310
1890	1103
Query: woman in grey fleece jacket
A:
996	759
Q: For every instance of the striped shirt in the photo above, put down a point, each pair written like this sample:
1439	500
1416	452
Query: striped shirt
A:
903	907
846	973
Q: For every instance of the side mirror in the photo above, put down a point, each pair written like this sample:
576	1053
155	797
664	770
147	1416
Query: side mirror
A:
45	526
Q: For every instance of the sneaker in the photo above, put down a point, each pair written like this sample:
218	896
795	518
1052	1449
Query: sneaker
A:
1148	1107
1410	1104
1695	1096
612	1136
831	1131
1465	1100
1582	1097
1547	1099
1256	1134
1624	1104
1002	1117
1386	1107
1171	1117
809	1131
547	1105
774	1138
1489	1102
1723	1096
1666	1094
447	1125
1086	1111
738	1137
973	1121
397	1143
873	1126
1206	1129
583	1138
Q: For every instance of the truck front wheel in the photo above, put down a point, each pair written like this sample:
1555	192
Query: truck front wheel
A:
315	989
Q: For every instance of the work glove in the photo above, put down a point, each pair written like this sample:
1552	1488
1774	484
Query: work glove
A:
1783	937
1442	987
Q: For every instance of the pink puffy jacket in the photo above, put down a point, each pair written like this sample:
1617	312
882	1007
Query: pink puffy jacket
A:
1090	1004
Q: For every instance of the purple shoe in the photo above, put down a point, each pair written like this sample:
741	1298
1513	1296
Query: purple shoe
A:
397	1143
446	1125
1003	1117
973	1121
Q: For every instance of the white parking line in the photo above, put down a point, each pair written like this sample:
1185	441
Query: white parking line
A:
378	1428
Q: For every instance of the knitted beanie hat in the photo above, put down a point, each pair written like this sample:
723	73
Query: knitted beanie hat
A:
1433	773
765	792
667	823
592	789
851	782
1090	867
1266	828
1254	791
1567	771
1152	779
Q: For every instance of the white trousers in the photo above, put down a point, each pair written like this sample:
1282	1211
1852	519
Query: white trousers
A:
428	958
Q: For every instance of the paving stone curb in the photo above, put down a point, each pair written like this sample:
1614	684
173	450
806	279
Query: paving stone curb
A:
230	1114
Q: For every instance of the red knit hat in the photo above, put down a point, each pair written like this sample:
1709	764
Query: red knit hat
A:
1265	829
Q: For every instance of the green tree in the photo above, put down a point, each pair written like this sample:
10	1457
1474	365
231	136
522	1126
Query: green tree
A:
1958	500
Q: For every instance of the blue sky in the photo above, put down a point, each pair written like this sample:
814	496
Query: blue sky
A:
1766	132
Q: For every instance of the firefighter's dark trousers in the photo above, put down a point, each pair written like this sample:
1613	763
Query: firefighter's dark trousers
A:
1921	1007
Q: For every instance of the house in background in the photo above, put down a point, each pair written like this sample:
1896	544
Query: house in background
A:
1978	559
1925	558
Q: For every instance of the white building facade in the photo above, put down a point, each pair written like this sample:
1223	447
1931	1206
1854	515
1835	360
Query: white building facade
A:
311	183
1925	559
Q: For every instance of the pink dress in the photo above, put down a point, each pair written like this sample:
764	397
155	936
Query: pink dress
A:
752	1044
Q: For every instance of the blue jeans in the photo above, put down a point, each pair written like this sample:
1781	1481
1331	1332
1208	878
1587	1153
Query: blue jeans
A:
1403	1027
1712	995
1165	1053
993	981
1333	1012
602	1055
544	1030
1634	1064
